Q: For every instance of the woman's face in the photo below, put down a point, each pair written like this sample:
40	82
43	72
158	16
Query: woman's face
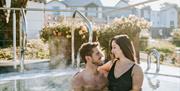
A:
116	50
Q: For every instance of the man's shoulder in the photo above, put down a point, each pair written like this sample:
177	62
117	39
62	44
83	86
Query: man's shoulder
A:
77	82
78	77
76	74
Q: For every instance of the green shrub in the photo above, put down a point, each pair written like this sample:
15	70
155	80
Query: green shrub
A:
162	46
6	54
176	38
42	54
63	29
143	43
35	49
131	26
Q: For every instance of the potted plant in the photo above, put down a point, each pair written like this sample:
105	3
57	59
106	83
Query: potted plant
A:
59	39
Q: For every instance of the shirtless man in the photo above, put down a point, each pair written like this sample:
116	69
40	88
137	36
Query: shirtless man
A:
90	79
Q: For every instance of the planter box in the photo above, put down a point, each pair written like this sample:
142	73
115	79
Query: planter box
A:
60	52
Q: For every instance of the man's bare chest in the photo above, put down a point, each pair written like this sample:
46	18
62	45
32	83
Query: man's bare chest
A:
96	83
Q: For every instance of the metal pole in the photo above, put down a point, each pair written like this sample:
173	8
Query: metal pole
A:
107	19
23	38
148	62
14	39
20	40
39	9
156	54
72	47
158	61
15	85
89	24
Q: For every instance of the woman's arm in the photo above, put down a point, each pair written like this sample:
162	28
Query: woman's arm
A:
137	75
105	68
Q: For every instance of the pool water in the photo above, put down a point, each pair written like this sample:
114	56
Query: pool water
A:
38	84
45	79
160	83
53	80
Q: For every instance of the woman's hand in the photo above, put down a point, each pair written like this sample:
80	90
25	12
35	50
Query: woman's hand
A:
105	68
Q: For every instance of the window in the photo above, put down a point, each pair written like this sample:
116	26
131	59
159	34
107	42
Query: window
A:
56	13
171	24
91	11
147	18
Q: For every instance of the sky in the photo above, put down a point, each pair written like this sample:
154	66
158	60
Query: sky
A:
154	5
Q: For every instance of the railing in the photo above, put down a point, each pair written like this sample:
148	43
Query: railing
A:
89	26
88	22
153	83
156	54
23	39
23	36
14	39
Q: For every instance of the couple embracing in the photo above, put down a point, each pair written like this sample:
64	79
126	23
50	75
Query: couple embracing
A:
119	74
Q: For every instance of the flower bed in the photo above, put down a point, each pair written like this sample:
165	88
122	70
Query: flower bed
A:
131	26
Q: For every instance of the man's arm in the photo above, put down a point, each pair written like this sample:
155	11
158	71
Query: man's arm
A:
77	83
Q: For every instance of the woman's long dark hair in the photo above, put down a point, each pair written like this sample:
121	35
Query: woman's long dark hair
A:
126	46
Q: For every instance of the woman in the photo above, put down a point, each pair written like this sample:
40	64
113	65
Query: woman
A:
123	73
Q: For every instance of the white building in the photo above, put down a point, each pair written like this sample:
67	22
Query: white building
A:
93	6
35	19
155	18
166	17
169	16
115	12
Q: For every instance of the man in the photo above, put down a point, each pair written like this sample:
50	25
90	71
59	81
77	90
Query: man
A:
90	79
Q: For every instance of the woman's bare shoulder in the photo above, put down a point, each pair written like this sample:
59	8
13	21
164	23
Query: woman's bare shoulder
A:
137	66
137	69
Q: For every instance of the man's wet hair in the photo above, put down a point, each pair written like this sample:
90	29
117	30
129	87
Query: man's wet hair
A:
86	49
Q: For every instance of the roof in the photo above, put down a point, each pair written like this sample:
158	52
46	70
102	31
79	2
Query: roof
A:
125	1
74	3
168	6
146	8
60	1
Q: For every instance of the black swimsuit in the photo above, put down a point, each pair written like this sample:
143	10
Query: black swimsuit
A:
122	83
